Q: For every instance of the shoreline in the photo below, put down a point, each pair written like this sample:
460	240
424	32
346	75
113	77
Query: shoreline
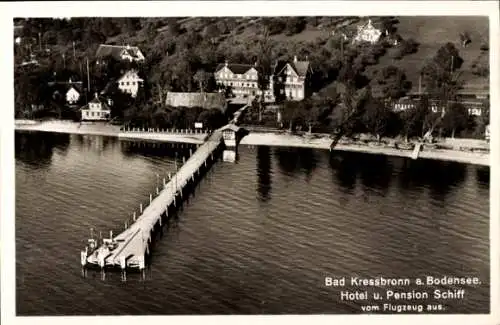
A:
109	130
288	140
257	139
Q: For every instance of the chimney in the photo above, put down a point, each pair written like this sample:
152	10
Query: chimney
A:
225	63
255	64
96	96
128	47
294	58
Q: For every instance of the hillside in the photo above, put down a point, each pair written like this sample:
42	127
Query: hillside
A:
434	32
176	47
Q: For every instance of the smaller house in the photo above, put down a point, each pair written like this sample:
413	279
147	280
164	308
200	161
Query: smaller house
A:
130	83
119	53
70	91
96	110
73	92
292	78
203	100
367	33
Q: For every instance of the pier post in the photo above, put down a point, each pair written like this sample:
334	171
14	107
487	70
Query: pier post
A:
123	263
83	257
190	152
126	225
157	191
111	234
141	263
183	160
164	183
140	208
134	217
150	198
169	176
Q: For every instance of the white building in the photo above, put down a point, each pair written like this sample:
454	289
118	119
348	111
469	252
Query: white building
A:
242	78
96	110
72	95
130	83
367	33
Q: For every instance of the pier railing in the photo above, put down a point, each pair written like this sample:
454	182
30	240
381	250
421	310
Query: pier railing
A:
167	131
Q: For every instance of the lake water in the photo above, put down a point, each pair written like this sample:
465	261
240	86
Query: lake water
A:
258	237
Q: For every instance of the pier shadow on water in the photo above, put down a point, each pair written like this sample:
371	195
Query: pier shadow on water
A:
36	149
373	171
297	160
441	177
483	177
264	173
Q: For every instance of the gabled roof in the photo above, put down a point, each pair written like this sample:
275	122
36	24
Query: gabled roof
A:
131	72
235	68
97	100
301	68
116	51
367	24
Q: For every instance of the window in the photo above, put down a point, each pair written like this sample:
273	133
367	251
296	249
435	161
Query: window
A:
91	113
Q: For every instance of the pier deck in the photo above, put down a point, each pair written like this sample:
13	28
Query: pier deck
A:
133	243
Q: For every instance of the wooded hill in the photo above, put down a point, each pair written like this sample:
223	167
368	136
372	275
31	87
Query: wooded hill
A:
175	48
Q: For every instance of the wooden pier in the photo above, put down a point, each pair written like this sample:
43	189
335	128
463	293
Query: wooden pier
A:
129	248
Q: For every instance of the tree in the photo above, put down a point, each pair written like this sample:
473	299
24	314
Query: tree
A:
442	78
393	82
406	47
211	32
264	67
455	119
295	25
202	78
412	119
388	24
376	117
349	112
212	118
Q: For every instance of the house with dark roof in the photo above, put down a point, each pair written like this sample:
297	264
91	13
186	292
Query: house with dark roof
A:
96	110
241	78
203	100
293	79
119	53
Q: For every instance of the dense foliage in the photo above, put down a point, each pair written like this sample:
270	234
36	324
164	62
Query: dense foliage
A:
182	53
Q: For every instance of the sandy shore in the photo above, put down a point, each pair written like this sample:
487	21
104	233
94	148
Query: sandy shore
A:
106	130
268	139
288	140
